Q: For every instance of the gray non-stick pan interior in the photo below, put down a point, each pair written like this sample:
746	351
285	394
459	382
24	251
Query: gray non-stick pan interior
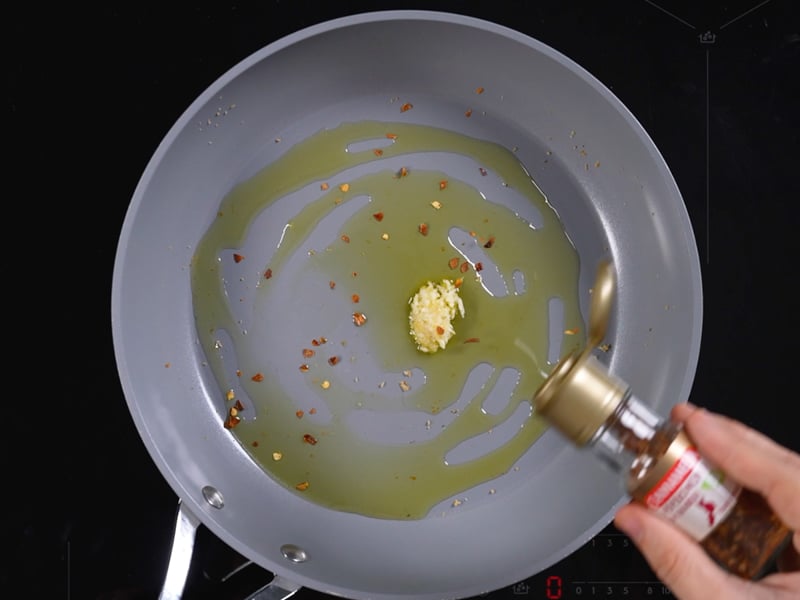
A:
598	169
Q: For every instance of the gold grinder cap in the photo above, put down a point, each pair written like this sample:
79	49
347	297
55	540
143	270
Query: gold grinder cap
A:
579	396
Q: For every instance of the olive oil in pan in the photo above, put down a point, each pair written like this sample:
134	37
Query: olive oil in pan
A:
399	235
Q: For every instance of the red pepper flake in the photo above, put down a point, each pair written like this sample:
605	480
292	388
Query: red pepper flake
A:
312	411
489	243
304	368
355	273
453	263
479	90
309	439
442	184
464	267
344	187
440	330
377	152
423	228
482	170
324	186
238	405
238	372
238	258
359	319
257	377
355	298
479	266
254	444
406	106
167	365
333	360
468	113
391	136
378	216
403	171
458	282
308	352
268	274
346	238
299	414
302	487
232	422
572	331
331	284
473	340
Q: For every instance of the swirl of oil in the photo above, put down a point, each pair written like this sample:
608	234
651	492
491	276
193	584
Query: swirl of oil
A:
369	423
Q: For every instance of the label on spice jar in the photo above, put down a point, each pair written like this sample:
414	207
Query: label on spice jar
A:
694	495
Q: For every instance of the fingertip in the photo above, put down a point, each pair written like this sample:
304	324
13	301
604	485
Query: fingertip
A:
682	412
628	520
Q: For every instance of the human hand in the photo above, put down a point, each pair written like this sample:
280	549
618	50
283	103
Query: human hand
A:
756	462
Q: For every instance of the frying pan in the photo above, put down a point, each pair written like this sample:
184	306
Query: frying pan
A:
600	173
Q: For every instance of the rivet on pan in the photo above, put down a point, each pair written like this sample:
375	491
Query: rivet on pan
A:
213	496
294	553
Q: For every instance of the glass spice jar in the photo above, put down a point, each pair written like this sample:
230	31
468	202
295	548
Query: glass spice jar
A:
661	466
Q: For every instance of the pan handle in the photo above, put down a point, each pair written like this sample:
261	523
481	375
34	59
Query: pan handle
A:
180	559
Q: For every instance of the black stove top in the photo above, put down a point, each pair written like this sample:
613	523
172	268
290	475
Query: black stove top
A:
89	96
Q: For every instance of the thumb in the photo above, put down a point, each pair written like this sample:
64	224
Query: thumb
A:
677	560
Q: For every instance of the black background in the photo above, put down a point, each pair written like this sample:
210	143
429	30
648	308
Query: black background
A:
88	96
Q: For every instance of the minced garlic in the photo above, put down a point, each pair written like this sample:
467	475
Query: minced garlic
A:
433	309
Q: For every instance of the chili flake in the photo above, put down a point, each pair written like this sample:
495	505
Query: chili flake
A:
333	360
332	284
268	274
378	216
442	184
391	136
299	414
238	258
355	298
489	243
423	228
440	330
312	411
232	421
479	266
304	368
359	319
403	171
472	340
377	152
468	113
453	263
479	90
309	439
464	267
257	377
344	187
482	170
572	331
406	106
458	282
346	238
302	486
323	186
308	352
238	405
